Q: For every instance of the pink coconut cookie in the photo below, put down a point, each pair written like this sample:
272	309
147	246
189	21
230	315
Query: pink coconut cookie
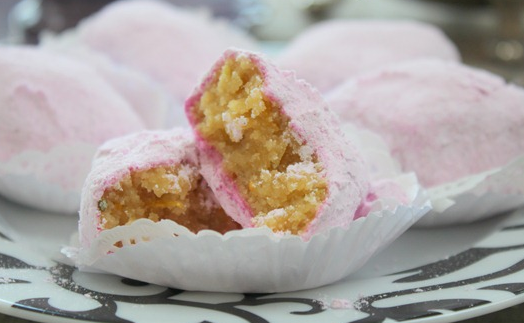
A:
172	45
330	52
148	98
152	175
442	120
272	151
55	112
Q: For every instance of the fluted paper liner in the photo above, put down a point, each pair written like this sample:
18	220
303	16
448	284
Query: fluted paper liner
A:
477	197
248	260
466	200
50	180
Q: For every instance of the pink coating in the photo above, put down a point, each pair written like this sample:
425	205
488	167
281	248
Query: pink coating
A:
173	46
313	123
382	189
153	104
47	100
442	120
330	52
223	186
148	99
118	157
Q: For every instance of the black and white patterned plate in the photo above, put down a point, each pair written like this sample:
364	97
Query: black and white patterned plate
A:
438	275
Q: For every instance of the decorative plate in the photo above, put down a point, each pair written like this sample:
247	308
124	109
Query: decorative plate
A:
430	275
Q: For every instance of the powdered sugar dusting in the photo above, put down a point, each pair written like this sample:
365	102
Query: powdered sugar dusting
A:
277	213
261	219
306	167
5	280
234	126
306	153
185	173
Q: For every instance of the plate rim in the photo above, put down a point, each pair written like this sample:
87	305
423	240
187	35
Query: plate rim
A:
7	308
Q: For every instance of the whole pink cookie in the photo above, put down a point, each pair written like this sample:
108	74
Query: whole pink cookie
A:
172	45
442	120
330	52
55	112
272	151
152	175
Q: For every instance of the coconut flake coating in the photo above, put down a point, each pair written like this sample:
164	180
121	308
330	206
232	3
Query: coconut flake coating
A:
47	99
442	120
150	174
308	128
153	104
330	52
172	45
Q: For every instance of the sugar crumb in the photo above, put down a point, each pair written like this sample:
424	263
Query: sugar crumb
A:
340	303
306	153
234	127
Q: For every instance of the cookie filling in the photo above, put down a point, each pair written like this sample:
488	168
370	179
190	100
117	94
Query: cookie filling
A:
176	193
276	173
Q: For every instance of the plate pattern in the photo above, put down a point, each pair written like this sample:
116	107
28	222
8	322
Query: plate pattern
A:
475	277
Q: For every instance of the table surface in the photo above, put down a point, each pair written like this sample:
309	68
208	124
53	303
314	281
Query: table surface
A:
513	314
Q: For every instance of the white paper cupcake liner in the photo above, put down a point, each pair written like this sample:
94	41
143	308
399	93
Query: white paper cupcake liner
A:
249	260
469	199
50	181
477	197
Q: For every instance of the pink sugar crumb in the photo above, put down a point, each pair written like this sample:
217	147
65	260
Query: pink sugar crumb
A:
341	304
364	208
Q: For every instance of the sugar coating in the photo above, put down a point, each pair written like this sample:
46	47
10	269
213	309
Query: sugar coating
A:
172	45
148	99
47	100
153	175
330	52
442	120
288	167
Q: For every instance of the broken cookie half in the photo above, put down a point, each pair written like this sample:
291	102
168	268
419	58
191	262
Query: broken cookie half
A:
272	151
149	175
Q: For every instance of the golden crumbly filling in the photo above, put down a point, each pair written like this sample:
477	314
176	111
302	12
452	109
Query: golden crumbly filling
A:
174	193
281	180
